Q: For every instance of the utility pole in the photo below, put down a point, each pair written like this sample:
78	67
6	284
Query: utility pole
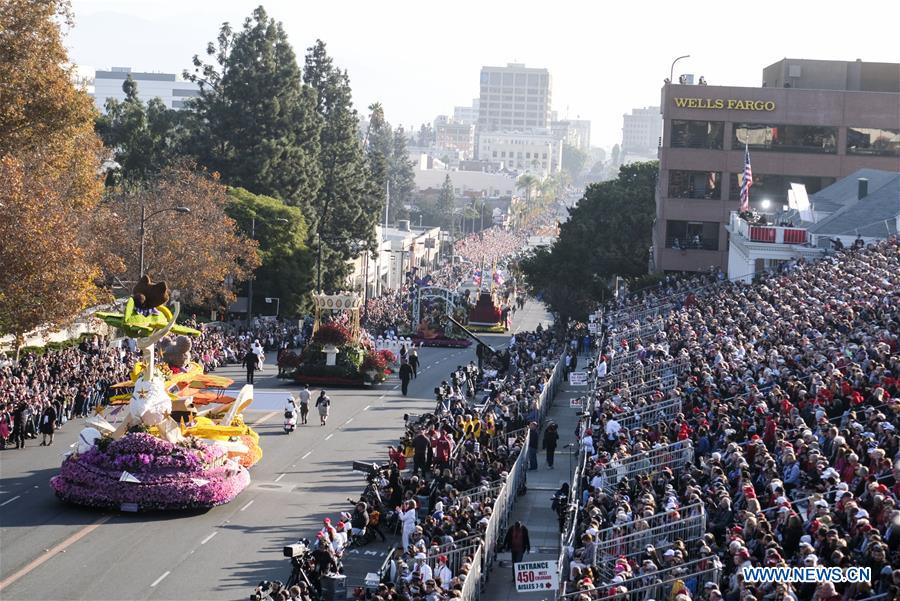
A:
250	283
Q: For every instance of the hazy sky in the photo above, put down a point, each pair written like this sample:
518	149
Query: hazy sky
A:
420	59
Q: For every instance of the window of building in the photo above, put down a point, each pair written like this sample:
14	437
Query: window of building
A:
695	184
697	134
495	154
785	138
774	188
527	155
699	235
503	154
866	140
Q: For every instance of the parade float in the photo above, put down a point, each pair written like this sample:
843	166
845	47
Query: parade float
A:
487	314
430	307
169	442
339	352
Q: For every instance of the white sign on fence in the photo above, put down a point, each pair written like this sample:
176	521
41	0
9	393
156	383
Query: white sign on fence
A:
575	403
593	327
578	378
536	576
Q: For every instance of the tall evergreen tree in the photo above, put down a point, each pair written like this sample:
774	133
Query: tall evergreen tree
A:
255	121
446	203
345	210
402	176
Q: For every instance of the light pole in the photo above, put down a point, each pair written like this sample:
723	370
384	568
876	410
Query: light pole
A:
672	69
252	277
145	218
277	300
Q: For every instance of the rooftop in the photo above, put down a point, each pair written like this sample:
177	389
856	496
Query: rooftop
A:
873	216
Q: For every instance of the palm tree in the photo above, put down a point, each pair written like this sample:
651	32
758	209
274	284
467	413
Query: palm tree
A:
528	183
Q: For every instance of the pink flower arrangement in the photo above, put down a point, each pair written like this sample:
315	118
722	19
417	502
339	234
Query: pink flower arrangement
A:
183	476
388	356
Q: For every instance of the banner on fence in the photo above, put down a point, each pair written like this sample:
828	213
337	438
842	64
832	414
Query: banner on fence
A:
578	378
536	576
575	403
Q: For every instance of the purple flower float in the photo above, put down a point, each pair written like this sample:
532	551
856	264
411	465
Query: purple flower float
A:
140	472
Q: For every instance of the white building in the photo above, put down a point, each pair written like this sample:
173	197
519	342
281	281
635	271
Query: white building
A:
456	138
536	153
172	90
865	205
642	130
467	114
574	132
467	183
514	98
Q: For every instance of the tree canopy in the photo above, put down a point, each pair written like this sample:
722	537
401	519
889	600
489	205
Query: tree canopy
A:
608	233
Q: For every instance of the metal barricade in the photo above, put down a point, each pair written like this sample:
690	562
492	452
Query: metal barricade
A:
478	494
687	529
456	555
660	584
674	456
616	319
654	521
638	373
651	414
471	589
636	332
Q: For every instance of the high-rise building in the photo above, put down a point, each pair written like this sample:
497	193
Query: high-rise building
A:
810	133
538	153
852	76
641	130
574	132
455	137
514	98
467	114
166	86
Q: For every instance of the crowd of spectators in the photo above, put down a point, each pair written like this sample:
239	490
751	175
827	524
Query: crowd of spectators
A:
790	403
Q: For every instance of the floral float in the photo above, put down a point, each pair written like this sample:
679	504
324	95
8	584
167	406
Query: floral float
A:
338	354
150	461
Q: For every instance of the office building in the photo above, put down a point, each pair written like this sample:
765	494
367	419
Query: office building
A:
537	153
455	137
172	90
851	76
641	131
794	135
466	114
574	132
514	98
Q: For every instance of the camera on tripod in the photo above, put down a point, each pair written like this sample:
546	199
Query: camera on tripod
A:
298	549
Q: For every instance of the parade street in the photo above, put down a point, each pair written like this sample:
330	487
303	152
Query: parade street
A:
302	478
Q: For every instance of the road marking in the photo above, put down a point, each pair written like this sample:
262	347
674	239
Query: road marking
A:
208	538
264	418
329	436
279	477
10	501
366	408
348	421
396	387
249	503
308	453
160	579
54	551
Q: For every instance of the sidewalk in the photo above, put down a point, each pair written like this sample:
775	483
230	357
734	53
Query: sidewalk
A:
533	509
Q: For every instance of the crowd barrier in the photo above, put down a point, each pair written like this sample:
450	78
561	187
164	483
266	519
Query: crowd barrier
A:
616	319
656	520
649	415
687	529
638	332
667	371
674	456
480	493
659	585
567	536
654	384
471	589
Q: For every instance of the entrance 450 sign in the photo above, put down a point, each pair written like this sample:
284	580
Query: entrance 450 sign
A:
536	576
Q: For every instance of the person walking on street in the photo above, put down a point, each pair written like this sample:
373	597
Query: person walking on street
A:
533	446
48	424
304	403
323	404
414	363
551	437
251	362
405	375
517	542
20	417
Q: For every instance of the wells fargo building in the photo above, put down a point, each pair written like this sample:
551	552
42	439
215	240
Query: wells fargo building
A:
808	136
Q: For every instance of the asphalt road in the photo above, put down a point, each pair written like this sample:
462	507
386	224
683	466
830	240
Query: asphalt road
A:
49	550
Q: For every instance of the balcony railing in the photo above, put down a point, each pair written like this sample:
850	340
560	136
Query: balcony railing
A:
767	233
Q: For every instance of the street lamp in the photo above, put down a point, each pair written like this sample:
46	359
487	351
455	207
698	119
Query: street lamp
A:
766	203
145	218
252	276
672	70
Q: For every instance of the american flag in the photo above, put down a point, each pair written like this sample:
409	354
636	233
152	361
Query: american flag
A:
746	181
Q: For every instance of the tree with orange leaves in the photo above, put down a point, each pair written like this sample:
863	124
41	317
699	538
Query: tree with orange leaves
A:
50	172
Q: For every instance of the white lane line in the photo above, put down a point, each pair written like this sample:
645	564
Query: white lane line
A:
308	453
396	387
348	421
329	436
208	538
160	579
279	477
366	408
249	503
10	500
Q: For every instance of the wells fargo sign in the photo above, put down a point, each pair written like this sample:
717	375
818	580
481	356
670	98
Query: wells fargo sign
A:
724	104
